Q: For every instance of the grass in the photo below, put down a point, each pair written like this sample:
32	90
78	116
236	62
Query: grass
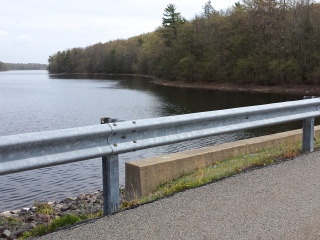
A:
58	222
54	225
223	169
10	221
43	208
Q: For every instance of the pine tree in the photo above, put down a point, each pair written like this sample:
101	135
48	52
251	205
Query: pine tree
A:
171	21
171	17
208	9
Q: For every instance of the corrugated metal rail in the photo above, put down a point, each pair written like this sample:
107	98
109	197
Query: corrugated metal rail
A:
36	150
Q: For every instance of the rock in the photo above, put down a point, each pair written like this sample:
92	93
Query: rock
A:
83	197
83	204
73	207
44	217
65	207
6	233
71	198
8	214
32	225
58	206
23	214
31	218
20	231
15	212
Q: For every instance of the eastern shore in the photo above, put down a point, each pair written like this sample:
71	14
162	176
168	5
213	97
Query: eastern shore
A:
295	89
281	89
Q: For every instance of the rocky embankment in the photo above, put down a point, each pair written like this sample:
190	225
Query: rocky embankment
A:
306	90
14	223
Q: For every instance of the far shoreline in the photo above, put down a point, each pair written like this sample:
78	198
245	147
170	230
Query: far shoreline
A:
293	89
277	89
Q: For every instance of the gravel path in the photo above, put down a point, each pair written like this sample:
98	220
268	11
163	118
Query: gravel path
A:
277	202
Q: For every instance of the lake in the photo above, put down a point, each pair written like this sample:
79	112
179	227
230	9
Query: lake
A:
32	101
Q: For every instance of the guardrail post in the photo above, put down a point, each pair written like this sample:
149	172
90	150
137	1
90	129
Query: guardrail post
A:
308	133
110	179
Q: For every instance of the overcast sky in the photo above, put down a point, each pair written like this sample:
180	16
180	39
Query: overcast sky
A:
32	30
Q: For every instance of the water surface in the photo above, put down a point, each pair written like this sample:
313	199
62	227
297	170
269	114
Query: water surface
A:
32	101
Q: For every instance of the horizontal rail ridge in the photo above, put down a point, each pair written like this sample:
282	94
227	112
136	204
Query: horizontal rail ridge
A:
42	149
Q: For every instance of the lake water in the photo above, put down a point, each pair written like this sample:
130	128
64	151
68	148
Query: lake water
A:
32	101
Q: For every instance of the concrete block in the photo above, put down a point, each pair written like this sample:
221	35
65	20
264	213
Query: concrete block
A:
146	175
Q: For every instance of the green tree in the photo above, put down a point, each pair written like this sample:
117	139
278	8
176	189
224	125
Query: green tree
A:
171	18
208	9
171	21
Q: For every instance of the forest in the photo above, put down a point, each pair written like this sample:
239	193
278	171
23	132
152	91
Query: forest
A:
3	67
263	42
22	66
26	66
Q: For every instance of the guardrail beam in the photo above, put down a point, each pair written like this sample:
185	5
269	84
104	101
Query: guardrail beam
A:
23	152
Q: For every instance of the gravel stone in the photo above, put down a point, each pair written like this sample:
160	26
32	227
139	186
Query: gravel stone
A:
6	233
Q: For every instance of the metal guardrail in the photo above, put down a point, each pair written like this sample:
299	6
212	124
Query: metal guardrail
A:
36	150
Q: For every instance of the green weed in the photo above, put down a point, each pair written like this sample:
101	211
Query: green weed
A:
223	169
57	223
43	208
63	221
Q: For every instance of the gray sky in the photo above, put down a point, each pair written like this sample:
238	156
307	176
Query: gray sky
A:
32	30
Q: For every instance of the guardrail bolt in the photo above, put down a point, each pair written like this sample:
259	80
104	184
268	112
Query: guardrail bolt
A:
134	141
134	122
107	120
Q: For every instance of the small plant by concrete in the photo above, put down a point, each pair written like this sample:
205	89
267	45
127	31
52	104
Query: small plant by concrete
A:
223	169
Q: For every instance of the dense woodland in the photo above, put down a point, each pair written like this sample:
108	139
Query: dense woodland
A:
3	67
22	66
264	42
26	66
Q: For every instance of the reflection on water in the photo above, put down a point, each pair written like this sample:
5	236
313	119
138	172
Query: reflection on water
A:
33	101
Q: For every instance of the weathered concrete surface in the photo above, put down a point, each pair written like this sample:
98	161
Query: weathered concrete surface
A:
276	202
146	175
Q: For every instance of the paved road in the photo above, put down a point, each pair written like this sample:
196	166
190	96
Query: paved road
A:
276	202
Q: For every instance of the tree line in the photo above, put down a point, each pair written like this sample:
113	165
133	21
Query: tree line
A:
26	66
266	42
3	67
22	66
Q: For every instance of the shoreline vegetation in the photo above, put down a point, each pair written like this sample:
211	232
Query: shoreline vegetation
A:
22	66
232	87
46	217
299	89
256	43
292	89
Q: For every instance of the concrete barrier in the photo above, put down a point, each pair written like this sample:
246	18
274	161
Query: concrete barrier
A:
146	175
